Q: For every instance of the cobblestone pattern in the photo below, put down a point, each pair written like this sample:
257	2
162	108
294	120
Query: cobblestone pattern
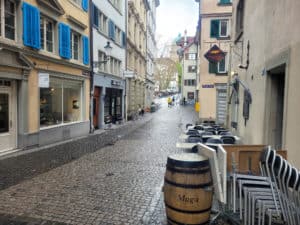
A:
29	163
119	184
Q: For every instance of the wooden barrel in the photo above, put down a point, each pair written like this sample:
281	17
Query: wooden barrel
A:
188	189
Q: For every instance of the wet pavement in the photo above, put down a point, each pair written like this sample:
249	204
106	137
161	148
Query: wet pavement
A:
118	184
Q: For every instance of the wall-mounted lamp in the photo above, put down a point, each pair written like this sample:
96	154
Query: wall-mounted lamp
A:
107	53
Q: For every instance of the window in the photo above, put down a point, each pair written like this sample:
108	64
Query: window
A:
240	17
103	23
192	69
61	103
219	28
219	68
190	56
75	43
189	82
47	34
8	19
116	3
102	66
118	35
223	28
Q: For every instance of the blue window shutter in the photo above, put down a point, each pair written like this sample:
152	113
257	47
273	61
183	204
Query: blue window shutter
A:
111	32
95	16
123	39
85	5
31	26
214	28
85	47
64	41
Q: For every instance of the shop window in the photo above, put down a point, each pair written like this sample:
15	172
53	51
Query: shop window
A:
61	103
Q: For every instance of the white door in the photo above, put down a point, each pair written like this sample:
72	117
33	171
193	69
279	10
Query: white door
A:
221	106
7	116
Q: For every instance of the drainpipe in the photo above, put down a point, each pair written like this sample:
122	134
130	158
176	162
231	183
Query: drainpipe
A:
125	79
91	67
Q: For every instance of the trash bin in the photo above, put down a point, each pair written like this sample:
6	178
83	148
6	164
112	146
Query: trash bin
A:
188	189
153	108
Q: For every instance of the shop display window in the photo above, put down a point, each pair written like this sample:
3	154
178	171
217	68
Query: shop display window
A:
61	103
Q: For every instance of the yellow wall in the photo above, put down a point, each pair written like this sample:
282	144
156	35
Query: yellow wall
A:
33	102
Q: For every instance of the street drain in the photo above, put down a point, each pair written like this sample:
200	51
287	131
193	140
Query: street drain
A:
109	174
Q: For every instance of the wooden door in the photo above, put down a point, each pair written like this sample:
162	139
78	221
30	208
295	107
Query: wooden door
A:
96	102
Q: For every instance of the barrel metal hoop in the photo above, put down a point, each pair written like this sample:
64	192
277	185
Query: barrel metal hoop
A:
187	211
173	221
172	169
185	164
188	186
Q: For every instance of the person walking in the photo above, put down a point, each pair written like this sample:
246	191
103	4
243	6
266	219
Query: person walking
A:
169	101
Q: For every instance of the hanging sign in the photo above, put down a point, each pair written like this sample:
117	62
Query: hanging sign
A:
215	54
44	80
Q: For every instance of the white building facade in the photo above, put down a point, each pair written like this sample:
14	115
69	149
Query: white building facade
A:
151	51
109	26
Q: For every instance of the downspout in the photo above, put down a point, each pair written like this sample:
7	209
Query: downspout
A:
125	88
91	67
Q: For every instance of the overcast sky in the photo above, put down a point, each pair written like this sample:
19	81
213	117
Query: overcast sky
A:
173	17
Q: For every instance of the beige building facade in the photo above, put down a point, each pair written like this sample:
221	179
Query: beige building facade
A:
265	62
136	55
44	72
214	30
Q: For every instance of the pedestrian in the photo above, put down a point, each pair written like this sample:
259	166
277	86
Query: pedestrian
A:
169	101
142	111
183	100
173	100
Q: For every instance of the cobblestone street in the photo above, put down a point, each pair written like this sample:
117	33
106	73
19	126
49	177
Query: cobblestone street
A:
118	184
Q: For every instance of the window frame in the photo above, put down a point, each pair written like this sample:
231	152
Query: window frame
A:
227	28
3	20
190	70
79	51
44	41
62	87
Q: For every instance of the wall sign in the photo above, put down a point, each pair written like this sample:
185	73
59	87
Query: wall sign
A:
208	86
44	80
115	83
215	54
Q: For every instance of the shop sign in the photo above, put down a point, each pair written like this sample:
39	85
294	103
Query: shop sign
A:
115	83
215	54
44	80
208	86
129	74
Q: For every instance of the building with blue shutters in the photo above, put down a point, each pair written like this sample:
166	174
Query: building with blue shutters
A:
109	59
44	72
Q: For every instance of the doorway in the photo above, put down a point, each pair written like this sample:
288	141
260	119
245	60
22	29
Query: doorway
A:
96	104
275	111
8	121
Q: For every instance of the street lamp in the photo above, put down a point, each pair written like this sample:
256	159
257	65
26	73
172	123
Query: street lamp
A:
107	53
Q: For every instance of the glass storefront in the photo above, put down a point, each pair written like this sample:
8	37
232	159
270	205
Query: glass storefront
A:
113	104
61	103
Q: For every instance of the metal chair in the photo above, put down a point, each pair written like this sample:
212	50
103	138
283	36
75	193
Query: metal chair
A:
194	139
228	139
213	141
192	132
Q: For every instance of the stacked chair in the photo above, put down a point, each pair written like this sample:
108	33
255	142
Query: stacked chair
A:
273	197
